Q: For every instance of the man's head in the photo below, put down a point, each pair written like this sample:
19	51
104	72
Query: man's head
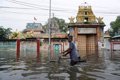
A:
70	38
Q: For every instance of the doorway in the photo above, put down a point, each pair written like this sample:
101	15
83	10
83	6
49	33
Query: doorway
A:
87	45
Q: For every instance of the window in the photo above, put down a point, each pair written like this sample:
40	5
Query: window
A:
85	13
86	19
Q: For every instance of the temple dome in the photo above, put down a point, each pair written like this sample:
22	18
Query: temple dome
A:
84	4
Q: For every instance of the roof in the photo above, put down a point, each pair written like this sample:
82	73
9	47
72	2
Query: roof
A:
118	36
35	30
85	25
59	35
107	36
34	26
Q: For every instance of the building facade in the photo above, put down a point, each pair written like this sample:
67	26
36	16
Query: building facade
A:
34	29
87	31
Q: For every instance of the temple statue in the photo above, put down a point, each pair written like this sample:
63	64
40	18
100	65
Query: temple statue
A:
71	19
99	19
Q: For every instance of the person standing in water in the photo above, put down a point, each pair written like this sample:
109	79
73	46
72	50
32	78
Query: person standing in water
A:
72	51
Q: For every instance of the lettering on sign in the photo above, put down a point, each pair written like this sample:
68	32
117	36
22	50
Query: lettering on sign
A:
87	30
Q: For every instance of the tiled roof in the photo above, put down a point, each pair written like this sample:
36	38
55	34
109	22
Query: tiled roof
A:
34	26
118	36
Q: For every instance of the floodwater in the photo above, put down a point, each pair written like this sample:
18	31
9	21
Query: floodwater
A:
30	68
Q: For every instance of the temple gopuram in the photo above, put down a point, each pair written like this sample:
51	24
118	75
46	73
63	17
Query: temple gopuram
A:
87	31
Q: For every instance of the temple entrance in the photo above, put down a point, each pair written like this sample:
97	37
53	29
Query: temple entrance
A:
87	45
87	31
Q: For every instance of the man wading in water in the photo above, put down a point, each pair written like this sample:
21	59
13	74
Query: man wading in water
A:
72	51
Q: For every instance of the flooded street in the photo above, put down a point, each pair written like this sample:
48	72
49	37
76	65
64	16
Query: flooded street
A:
41	39
29	68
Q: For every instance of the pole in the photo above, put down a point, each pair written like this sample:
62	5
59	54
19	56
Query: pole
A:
49	20
18	49
112	44
38	49
63	45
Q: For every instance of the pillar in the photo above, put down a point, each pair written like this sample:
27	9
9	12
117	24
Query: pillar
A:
38	49
18	49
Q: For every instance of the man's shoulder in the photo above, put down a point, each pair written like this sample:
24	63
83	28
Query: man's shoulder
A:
72	43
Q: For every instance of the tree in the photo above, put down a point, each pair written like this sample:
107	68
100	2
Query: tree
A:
4	33
60	23
115	27
14	35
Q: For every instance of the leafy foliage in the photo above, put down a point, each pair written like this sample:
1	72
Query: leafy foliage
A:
60	23
14	35
115	27
4	33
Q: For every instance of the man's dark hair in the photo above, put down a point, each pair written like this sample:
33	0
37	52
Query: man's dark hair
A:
70	37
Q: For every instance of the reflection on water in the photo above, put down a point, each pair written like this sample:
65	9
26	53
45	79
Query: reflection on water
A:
27	68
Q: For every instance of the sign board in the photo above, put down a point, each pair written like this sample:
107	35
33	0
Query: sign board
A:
87	30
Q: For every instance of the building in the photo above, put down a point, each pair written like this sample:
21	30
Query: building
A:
54	26
34	29
86	31
117	37
115	43
107	40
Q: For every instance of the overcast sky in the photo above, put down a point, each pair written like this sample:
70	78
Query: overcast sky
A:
16	13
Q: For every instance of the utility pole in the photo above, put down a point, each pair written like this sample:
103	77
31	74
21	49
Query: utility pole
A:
53	23
49	20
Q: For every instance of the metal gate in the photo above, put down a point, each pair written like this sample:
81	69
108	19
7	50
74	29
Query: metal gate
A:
87	45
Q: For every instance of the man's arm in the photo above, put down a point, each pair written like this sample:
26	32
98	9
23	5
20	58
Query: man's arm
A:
65	51
68	51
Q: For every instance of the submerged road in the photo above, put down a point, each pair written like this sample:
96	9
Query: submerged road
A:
28	68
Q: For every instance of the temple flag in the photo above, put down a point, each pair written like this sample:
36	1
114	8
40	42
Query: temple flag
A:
35	19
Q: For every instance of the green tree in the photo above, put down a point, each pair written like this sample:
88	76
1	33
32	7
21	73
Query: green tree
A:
115	27
59	23
62	24
4	33
14	35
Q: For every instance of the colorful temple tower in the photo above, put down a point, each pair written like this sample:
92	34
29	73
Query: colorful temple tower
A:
87	31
